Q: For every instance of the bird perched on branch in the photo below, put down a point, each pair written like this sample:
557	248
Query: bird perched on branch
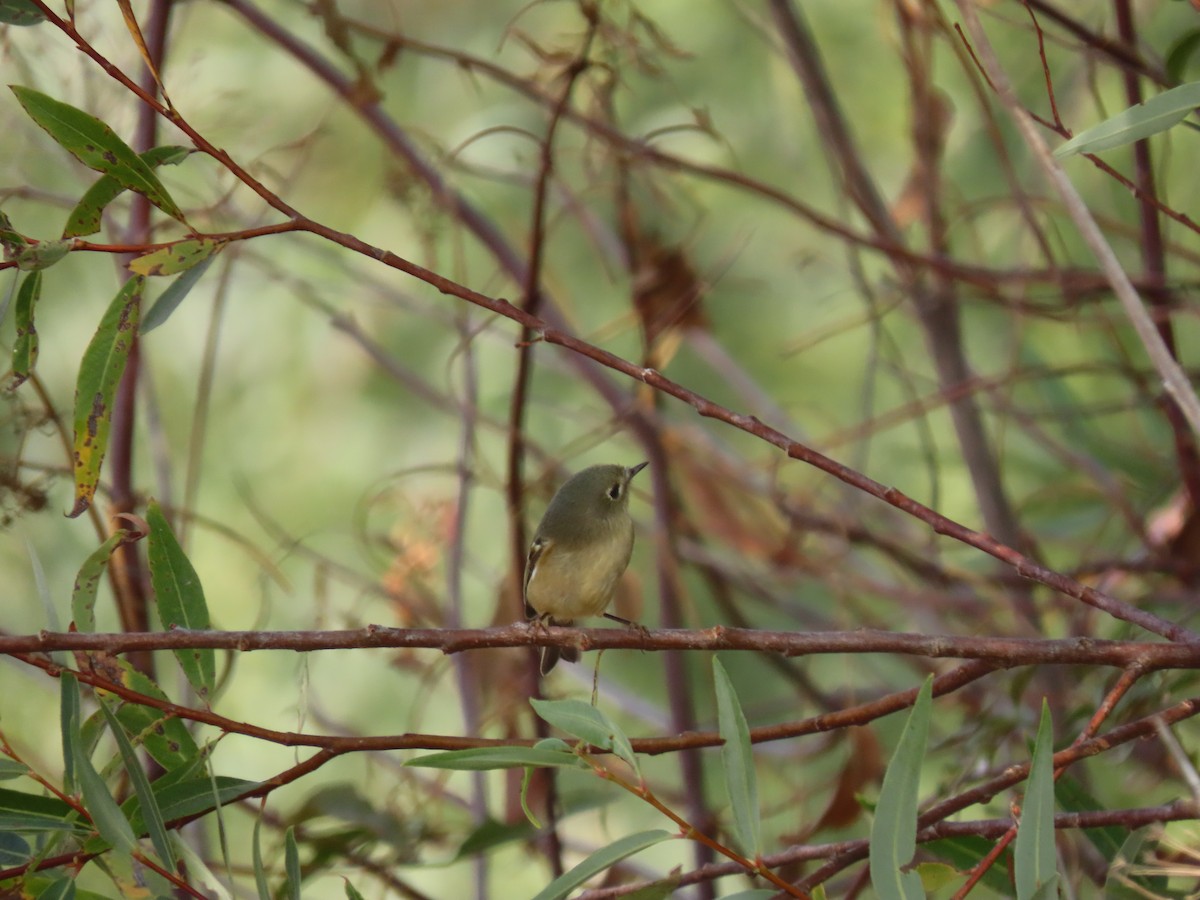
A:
579	552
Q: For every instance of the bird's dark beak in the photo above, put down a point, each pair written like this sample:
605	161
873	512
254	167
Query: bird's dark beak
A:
635	469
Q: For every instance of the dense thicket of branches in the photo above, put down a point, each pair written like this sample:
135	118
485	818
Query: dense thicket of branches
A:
915	398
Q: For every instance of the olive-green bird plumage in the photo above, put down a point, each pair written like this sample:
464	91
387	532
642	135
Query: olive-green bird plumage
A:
580	550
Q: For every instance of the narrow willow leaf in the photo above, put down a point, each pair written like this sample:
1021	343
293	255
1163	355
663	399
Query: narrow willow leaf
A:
1034	862
25	348
152	817
738	758
96	145
103	810
194	797
180	599
88	214
260	871
10	239
10	769
352	893
894	830
163	736
42	255
14	850
484	758
1154	115
87	581
100	372
58	888
69	725
20	12
177	257
1181	53
602	859
291	863
175	293
35	814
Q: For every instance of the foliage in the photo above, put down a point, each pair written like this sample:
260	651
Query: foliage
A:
310	310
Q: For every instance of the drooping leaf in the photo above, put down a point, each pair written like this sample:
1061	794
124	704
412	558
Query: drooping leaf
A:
20	12
1034	860
485	758
100	372
260	871
69	724
602	859
88	214
588	723
1154	115
152	817
291	863
180	599
87	581
96	145
175	293
177	257
25	348
103	810
737	756
894	830
1181	54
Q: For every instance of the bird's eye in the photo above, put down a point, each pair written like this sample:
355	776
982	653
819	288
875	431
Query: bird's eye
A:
614	492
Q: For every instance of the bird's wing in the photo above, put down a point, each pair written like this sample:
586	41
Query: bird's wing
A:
537	550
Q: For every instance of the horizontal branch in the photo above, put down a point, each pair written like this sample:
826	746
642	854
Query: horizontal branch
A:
1004	651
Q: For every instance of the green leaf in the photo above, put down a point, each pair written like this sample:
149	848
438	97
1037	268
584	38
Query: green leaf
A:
965	852
10	239
1154	115
29	813
1181	53
10	769
20	12
88	214
193	797
100	372
177	257
602	859
738	758
42	255
105	814
260	871
175	293
894	830
97	146
352	892
588	723
151	814
1034	861
180	599
60	888
25	348
485	758
69	725
163	736
87	581
14	850
291	863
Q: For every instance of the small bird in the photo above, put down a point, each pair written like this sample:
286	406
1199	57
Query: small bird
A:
579	551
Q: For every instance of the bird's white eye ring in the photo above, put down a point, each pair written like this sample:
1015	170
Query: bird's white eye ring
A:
614	492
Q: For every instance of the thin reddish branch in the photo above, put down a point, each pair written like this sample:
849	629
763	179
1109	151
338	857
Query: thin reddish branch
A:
1003	651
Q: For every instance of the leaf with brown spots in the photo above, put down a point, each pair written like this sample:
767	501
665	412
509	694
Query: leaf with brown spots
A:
177	257
97	146
100	372
86	217
25	348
